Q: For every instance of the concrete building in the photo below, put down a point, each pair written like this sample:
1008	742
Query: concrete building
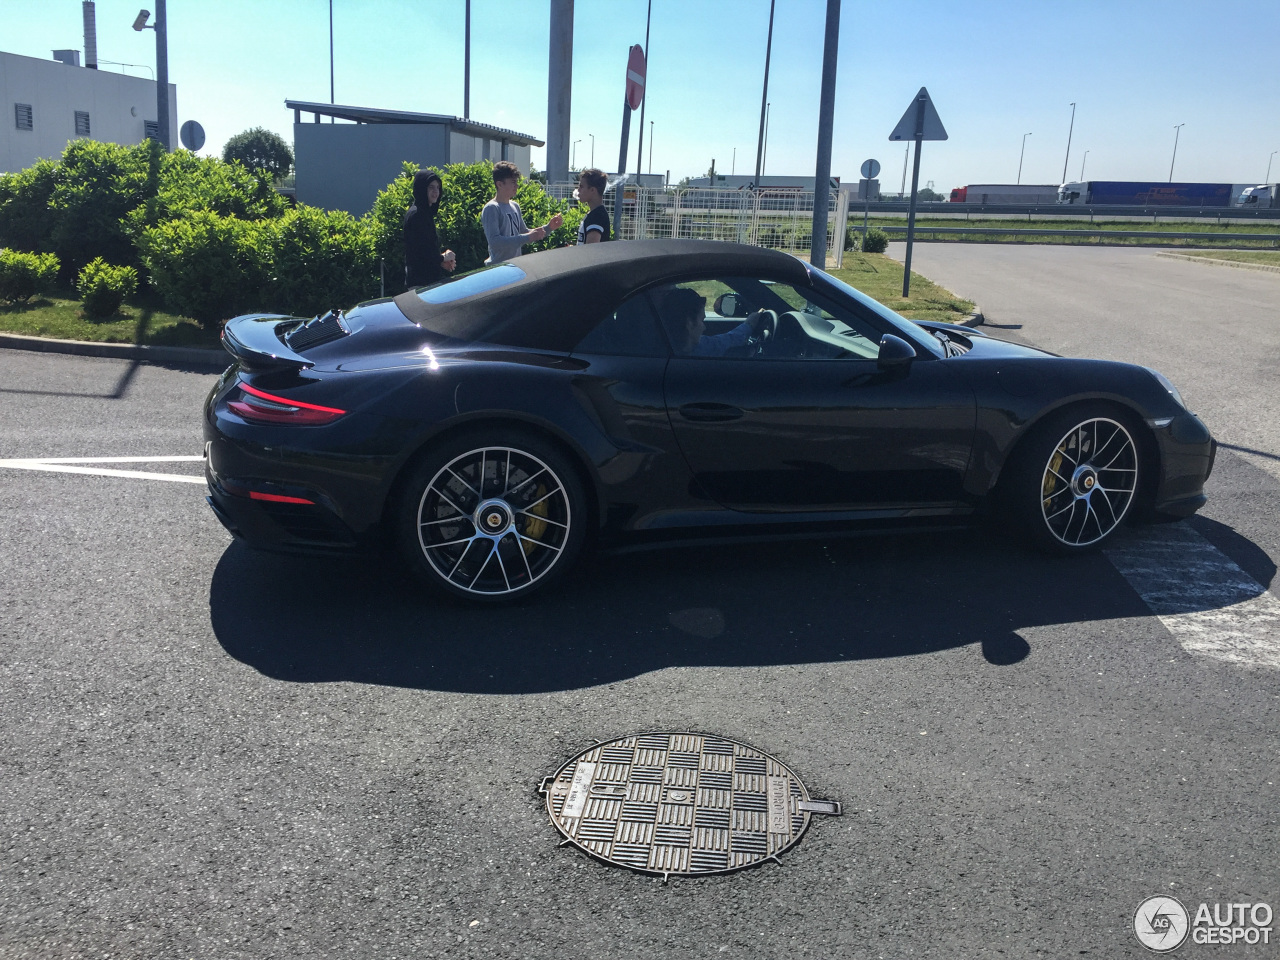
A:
48	103
343	166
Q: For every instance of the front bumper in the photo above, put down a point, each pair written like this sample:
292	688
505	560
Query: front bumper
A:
1187	452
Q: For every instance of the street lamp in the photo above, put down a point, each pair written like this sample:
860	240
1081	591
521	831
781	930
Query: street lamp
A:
593	148
733	164
1069	132
651	148
1177	129
1082	162
1021	155
161	27
1267	178
574	162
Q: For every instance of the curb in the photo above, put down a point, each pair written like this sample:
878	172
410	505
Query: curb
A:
1214	262
191	356
974	319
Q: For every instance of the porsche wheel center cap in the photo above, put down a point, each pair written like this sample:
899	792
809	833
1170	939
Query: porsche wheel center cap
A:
1084	481
493	517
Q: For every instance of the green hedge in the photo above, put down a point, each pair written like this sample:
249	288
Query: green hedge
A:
216	240
23	275
104	287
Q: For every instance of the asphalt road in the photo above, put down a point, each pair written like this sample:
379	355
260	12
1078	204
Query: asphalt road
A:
210	752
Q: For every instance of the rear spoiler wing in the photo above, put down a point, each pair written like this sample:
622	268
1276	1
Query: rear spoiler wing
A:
252	339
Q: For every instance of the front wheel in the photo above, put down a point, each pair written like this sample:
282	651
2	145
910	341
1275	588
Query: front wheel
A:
492	516
1076	479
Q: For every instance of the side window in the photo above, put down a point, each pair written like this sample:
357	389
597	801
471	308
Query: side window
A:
756	319
630	331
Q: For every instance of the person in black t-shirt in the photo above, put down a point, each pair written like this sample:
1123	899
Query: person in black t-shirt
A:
595	225
424	262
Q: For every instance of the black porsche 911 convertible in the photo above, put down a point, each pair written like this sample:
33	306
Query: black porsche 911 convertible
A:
491	426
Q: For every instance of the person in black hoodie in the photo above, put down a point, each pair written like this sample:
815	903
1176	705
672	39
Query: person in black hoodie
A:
423	261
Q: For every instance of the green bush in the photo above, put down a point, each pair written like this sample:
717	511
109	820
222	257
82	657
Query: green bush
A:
95	186
259	149
876	241
104	287
23	275
26	222
209	267
320	259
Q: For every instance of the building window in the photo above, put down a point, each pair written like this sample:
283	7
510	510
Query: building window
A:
82	123
151	130
22	115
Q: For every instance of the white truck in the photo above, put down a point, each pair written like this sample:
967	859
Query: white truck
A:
1263	195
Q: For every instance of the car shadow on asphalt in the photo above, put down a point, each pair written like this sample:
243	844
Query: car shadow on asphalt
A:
310	620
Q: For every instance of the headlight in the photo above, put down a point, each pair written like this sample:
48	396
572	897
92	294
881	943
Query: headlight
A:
1173	391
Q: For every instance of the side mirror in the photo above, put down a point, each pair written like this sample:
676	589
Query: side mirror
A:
895	353
726	305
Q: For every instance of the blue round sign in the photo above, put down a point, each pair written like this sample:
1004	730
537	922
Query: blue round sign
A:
192	135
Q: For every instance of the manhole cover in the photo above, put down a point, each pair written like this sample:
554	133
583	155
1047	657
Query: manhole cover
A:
680	803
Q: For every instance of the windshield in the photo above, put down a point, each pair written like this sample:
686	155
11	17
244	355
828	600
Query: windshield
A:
916	333
490	278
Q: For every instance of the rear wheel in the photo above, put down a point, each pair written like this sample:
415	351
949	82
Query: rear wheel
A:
1076	478
492	516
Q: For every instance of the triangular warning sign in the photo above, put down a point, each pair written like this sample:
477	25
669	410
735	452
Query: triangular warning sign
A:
931	127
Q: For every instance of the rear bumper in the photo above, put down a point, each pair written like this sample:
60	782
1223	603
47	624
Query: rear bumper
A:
269	525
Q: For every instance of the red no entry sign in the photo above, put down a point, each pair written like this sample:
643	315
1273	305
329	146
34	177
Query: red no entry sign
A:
635	77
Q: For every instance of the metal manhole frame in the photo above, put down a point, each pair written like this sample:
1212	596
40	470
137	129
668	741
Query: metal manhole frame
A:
805	806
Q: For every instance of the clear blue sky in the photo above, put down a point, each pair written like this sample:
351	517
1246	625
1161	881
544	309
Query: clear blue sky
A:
996	70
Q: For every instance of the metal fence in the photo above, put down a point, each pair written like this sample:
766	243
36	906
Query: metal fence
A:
768	218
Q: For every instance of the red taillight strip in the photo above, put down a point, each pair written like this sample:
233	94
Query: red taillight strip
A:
277	498
286	401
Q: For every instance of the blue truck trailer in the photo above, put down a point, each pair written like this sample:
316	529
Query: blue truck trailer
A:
1141	194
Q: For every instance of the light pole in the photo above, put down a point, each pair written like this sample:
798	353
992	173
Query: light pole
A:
161	27
1267	178
1021	155
593	148
764	101
574	149
1082	162
733	164
1070	129
651	146
764	155
1177	129
331	100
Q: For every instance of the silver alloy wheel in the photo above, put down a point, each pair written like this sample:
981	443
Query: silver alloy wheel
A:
1089	481
493	520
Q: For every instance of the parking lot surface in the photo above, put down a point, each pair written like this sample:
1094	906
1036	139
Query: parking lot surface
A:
213	752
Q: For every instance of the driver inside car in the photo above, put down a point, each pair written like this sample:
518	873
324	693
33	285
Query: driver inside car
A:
684	314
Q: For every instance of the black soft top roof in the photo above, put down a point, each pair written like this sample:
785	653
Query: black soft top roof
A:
566	291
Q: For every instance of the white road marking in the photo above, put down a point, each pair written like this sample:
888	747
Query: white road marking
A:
71	465
1201	596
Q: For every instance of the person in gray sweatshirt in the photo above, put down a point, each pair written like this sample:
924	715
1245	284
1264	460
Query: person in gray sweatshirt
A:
504	226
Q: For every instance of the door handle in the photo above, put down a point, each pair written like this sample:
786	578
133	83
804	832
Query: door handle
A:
710	412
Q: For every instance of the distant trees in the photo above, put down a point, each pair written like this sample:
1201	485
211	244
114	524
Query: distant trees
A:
924	193
260	149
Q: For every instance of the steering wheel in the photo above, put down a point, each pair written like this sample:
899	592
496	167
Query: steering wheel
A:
764	333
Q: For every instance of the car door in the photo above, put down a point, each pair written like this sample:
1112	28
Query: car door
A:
805	420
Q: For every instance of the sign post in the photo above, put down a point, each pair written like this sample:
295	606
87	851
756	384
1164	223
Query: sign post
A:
870	170
631	101
919	123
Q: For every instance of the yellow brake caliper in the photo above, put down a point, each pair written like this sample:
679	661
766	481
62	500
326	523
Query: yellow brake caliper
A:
533	527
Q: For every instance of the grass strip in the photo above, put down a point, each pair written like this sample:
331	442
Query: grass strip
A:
140	320
880	277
